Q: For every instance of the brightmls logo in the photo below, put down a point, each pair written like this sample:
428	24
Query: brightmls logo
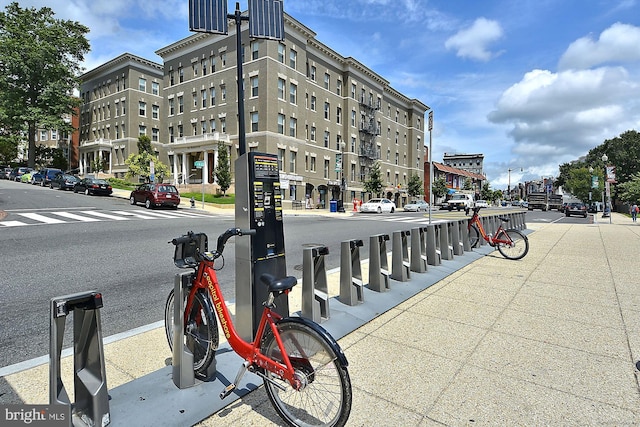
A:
36	415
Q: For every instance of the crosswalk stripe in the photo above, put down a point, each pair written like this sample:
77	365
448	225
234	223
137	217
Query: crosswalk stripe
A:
160	214
70	215
135	214
12	223
42	218
105	216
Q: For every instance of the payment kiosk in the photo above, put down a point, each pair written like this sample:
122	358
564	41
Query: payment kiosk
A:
259	207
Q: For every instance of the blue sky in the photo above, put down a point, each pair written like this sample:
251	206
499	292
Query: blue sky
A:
530	84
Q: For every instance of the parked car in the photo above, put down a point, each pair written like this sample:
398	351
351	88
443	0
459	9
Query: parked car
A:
576	209
153	194
481	204
16	173
63	181
378	206
417	206
26	177
45	176
93	186
5	172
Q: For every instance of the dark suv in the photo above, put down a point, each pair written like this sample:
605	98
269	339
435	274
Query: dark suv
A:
576	209
45	176
153	195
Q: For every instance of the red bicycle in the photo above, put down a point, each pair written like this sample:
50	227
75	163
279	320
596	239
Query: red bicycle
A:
303	368
511	243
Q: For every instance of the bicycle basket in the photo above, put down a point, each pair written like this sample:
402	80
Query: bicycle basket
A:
185	253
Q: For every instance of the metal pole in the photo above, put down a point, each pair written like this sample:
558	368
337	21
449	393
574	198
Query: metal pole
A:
430	165
238	18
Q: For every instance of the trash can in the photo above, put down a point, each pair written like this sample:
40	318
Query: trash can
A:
333	206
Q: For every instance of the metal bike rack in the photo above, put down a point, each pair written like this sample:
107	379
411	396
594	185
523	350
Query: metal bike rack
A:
182	361
456	238
315	291
434	256
446	250
378	263
400	256
464	235
91	406
351	285
418	250
486	224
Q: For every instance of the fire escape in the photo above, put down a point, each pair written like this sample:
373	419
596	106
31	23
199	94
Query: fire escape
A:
369	130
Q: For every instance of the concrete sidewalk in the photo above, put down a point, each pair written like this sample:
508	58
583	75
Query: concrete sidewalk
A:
547	340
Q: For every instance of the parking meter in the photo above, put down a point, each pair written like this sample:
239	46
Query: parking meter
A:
259	207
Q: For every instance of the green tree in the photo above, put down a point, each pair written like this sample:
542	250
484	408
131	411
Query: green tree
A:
140	164
8	149
630	190
467	185
439	188
415	186
144	144
223	168
39	69
374	184
486	193
579	183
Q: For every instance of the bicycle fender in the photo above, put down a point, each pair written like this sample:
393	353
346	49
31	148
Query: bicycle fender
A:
342	359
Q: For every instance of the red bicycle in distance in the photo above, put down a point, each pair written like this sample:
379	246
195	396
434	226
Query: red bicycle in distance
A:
511	243
302	366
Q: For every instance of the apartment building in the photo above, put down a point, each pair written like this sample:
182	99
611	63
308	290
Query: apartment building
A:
327	117
473	163
66	141
122	99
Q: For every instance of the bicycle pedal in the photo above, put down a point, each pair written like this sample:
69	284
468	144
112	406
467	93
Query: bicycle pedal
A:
227	391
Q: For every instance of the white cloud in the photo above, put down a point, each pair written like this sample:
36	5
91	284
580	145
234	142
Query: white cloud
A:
472	42
619	43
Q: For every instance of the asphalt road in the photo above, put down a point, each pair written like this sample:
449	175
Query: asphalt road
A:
129	261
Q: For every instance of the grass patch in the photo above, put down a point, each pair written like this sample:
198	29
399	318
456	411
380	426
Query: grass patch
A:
229	199
121	184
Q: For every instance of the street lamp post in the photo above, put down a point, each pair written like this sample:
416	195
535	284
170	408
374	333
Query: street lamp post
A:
509	185
343	182
606	212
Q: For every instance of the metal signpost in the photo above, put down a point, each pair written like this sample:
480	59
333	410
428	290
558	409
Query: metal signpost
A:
430	165
200	164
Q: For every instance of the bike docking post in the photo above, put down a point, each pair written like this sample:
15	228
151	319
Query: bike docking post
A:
91	405
315	291
464	235
378	263
400	256
434	256
351	286
446	250
418	250
182	358
456	238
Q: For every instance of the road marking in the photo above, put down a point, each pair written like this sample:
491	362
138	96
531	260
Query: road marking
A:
12	223
70	215
105	216
42	218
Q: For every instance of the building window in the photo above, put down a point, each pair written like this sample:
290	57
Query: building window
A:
155	112
313	133
203	126
172	107
204	64
326	169
254	121
142	84
155	88
281	84
142	109
327	135
43	135
203	95
327	81
313	103
180	75
255	49
292	161
194	95
142	130
180	105
223	92
353	90
313	73
155	134
212	97
293	55
281	124
327	106
212	125
338	87
171	79
254	86
281	153
281	51
293	127
223	59
293	93
223	125
313	164
339	115
353	118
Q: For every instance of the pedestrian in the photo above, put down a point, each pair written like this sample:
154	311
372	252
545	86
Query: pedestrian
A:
634	212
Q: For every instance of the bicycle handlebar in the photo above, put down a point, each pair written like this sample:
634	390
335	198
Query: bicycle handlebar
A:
222	239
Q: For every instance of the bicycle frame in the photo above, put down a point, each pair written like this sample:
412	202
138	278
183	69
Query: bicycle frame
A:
492	240
206	279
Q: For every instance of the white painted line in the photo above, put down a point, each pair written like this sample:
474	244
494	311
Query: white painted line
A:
104	215
12	223
42	218
76	217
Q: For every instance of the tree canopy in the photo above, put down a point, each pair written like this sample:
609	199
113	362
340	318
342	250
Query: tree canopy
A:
223	168
374	184
39	68
415	186
140	164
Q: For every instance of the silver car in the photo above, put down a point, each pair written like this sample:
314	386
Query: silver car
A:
416	206
378	206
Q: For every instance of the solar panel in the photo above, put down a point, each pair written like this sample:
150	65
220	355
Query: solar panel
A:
266	20
208	16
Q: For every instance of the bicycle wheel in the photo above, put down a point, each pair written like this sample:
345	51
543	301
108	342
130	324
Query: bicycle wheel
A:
518	247
324	398
474	236
201	331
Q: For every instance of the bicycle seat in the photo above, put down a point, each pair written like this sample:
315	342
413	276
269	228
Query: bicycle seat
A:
278	285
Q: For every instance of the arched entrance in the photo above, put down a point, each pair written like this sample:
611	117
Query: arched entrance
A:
322	197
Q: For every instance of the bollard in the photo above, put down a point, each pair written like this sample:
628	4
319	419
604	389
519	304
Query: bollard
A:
315	291
434	256
446	250
89	376
400	256
456	238
378	263
418	250
192	201
351	286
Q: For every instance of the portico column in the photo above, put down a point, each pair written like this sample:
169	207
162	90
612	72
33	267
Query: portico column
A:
215	162
205	168
185	171
175	169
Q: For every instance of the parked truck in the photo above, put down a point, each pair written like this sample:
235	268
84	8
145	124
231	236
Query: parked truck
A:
544	201
460	201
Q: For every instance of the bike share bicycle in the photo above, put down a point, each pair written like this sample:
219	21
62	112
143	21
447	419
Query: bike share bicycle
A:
303	368
511	243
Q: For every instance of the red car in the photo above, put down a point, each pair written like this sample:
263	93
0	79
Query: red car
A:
153	195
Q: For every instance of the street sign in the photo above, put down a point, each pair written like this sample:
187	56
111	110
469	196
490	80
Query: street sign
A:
199	164
430	120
